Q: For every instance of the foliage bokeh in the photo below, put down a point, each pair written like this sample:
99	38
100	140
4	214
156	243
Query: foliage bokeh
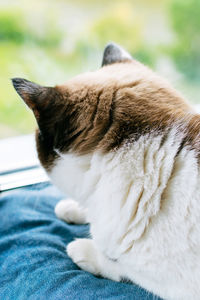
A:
185	20
51	41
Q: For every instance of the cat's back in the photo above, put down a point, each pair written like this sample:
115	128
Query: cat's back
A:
151	212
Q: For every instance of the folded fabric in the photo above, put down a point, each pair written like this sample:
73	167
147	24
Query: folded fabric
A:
33	262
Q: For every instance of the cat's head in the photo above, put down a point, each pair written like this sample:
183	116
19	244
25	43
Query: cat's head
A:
100	110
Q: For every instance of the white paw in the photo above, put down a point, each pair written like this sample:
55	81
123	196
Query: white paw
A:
84	254
69	211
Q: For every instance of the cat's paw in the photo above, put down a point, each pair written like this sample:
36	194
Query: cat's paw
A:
69	211
84	254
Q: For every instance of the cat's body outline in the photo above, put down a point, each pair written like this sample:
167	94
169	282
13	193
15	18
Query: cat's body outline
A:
101	211
128	152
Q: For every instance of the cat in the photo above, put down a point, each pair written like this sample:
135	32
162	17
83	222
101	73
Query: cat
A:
125	145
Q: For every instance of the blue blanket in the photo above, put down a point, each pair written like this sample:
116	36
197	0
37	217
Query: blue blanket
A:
33	261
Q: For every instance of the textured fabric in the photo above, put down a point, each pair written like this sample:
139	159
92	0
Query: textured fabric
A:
33	261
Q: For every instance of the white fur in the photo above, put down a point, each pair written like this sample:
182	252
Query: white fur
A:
69	211
143	206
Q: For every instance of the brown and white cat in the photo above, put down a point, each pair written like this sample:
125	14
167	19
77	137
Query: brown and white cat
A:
126	146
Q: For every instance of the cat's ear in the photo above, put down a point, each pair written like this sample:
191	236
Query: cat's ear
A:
34	95
113	53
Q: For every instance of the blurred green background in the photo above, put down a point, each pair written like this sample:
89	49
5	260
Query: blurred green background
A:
49	41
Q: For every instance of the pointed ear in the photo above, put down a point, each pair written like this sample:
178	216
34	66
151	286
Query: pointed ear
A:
33	94
113	53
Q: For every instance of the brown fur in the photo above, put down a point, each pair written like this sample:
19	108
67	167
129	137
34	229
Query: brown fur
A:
112	110
103	109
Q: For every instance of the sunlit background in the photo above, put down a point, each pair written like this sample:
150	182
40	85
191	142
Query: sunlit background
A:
49	41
